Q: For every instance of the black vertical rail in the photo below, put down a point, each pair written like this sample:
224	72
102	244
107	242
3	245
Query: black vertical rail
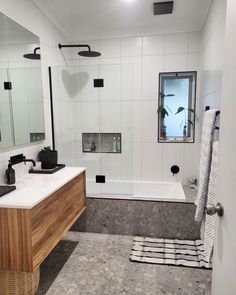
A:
51	105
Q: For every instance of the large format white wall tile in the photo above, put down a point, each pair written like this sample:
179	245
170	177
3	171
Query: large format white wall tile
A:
110	48
191	161
111	166
136	63
176	43
127	81
85	78
152	66
90	117
92	163
176	62
152	161
110	117
127	120
131	46
194	60
112	84
153	45
127	161
137	121
149	121
137	161
77	120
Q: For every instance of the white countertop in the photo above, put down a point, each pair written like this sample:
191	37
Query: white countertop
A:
31	189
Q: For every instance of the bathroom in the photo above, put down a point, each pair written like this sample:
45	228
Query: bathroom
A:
105	113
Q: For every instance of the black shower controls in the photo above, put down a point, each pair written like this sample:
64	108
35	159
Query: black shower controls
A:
174	169
7	85
98	83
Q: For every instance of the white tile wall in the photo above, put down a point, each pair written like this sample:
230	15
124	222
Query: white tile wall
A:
213	55
110	48
154	45
131	46
149	121
152	159
90	117
128	103
110	116
176	62
176	43
152	66
173	154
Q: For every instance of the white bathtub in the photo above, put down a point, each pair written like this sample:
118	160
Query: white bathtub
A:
137	190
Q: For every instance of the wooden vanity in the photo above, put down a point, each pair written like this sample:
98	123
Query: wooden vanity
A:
28	235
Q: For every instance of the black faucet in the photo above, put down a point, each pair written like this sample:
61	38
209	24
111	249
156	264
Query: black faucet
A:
19	159
10	176
30	160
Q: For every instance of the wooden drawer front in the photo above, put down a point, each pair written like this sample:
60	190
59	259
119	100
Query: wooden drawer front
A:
15	240
53	217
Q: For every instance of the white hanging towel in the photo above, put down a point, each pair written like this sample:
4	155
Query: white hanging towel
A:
208	223
205	162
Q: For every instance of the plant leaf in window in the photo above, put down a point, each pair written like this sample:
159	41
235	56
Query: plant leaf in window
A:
180	109
161	110
190	122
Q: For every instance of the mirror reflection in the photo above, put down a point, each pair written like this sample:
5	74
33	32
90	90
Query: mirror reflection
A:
21	95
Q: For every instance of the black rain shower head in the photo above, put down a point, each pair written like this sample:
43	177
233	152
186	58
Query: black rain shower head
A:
89	53
85	53
33	55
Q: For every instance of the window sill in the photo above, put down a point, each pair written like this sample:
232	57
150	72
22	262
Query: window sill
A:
176	140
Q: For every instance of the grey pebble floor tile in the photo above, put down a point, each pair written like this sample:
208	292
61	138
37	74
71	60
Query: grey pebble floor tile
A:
99	265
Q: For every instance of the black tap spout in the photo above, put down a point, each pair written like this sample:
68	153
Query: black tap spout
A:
30	160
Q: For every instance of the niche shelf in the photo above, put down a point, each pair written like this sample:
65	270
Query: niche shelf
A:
101	143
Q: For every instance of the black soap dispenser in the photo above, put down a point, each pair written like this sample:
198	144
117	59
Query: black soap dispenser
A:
10	175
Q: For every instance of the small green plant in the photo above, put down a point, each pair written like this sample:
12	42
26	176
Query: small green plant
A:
46	149
185	110
162	110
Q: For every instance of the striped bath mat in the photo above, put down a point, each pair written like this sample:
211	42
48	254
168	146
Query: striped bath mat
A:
169	251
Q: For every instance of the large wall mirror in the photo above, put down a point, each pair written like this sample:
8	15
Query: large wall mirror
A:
21	95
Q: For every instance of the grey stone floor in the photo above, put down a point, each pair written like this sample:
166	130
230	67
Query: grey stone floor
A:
100	265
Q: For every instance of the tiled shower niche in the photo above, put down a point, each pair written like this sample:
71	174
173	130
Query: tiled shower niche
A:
101	143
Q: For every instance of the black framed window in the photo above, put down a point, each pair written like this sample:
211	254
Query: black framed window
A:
176	107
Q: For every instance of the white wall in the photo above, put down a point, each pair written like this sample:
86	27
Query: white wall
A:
149	55
27	14
212	55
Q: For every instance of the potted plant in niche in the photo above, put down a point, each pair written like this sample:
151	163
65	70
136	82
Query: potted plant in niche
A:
48	158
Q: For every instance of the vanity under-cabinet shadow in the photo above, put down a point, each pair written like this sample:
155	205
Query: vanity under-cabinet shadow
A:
53	264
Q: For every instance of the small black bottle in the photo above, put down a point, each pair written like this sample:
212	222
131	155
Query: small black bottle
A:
10	175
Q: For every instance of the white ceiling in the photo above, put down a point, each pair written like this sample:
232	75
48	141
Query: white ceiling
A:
97	19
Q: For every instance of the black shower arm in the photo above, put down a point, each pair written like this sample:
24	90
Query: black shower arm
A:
35	49
60	46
